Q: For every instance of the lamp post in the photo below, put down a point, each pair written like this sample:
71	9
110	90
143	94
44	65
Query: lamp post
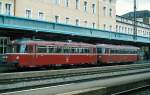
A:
135	22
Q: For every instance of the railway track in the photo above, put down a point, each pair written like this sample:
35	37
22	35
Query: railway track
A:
25	80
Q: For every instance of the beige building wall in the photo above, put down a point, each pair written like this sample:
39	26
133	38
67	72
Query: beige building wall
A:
35	6
50	9
107	14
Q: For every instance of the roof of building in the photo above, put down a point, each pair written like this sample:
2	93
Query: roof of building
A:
139	14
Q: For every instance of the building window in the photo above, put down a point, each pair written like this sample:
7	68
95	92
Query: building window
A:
131	31
104	11
93	8
119	28
110	1
66	3
56	2
85	23
57	19
125	30
110	12
67	20
93	24
77	22
0	7
128	30
110	27
77	4
104	26
41	15
85	6
8	9
28	13
122	29
116	28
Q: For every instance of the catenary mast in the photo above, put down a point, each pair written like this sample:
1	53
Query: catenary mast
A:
135	22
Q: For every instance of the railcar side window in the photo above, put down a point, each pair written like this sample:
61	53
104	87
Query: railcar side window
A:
76	50
80	50
59	50
87	50
42	49
99	50
107	50
66	50
73	50
51	49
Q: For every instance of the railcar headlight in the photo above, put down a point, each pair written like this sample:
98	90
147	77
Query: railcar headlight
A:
4	57
17	57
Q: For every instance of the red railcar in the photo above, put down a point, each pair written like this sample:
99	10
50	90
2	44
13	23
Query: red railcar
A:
117	54
31	53
42	53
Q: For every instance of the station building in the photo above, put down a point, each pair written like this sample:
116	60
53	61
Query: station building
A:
98	14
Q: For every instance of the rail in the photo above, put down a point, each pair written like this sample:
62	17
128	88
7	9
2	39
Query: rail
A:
24	80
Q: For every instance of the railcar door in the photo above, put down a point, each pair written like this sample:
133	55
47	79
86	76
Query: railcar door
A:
30	55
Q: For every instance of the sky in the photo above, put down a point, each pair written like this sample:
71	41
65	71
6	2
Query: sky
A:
124	6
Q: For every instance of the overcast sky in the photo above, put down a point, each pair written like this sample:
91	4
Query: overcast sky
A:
124	6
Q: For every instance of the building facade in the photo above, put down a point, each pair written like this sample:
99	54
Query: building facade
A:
86	13
125	25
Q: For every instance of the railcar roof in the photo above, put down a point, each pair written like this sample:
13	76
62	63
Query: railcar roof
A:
117	46
53	43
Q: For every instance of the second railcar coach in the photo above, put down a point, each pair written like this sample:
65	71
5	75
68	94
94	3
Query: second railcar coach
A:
117	53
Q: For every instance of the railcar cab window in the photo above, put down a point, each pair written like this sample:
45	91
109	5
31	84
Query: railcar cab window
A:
16	48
